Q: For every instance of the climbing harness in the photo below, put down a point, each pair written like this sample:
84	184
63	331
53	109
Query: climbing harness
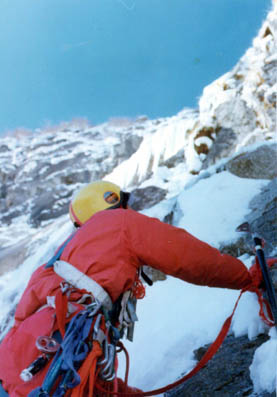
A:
75	277
72	352
90	327
90	341
89	330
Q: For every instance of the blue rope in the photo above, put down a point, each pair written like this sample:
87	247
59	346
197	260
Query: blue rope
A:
3	393
67	360
58	254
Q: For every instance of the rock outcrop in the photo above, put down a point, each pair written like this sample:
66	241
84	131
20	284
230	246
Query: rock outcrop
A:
239	108
258	164
227	374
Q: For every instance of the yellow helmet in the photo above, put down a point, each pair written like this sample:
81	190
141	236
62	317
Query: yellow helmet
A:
94	197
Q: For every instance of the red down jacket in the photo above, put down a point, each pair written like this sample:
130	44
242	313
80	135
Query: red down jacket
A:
109	248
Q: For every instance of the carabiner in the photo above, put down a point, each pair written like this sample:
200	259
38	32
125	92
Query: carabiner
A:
93	308
106	354
97	326
46	344
108	371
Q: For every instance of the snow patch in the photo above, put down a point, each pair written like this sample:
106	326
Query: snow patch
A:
263	370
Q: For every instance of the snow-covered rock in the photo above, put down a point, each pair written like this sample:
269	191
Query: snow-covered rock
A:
259	164
243	101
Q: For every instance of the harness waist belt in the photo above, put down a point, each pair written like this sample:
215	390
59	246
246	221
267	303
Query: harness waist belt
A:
80	280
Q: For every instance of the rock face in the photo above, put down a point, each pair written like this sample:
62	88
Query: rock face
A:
259	164
263	215
262	218
227	374
146	197
239	108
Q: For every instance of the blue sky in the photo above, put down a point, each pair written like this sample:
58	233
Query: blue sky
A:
111	58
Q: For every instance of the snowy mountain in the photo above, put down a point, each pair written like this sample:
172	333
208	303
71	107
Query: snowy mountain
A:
206	170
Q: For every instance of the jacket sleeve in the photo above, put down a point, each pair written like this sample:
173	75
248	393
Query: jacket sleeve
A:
177	253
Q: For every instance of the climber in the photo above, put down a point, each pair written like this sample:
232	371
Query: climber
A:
110	245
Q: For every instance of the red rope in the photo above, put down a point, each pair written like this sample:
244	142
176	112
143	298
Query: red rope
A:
263	302
61	310
123	348
87	372
204	360
207	356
